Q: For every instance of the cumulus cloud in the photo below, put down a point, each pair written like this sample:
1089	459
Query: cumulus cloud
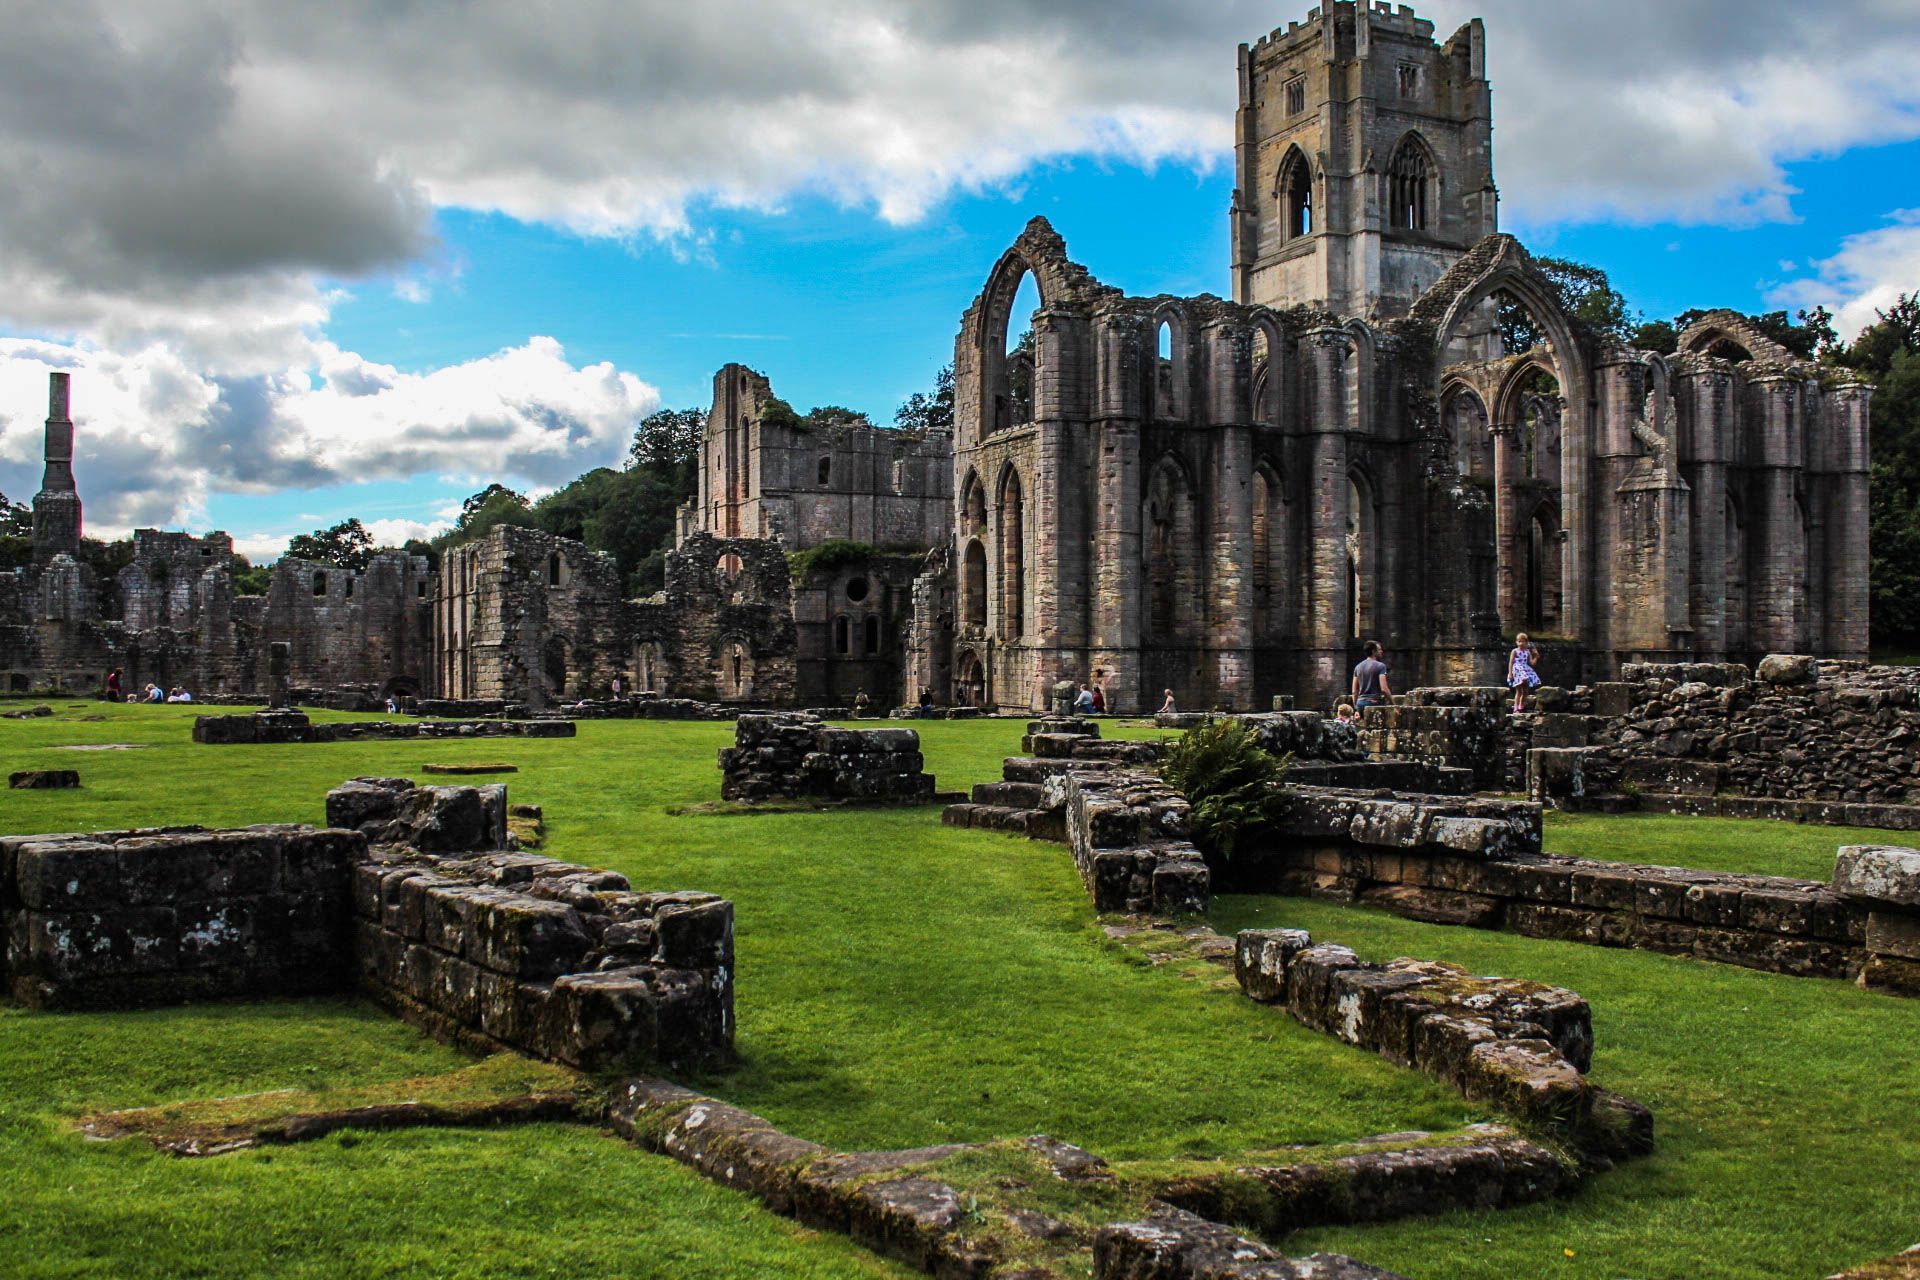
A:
1866	277
156	436
184	183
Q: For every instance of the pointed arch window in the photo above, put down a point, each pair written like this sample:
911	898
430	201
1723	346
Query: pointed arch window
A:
1409	180
1296	195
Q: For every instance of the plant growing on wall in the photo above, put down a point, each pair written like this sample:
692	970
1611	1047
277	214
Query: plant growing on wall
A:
1230	781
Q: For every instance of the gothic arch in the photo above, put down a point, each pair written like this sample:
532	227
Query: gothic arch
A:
1731	336
1413	185
1293	194
1010	530
973	505
1266	379
1171	373
1468	428
1172	553
1270	551
1363	527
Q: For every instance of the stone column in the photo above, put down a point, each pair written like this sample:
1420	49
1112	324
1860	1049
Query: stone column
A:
1778	567
1117	573
1846	519
1329	606
1228	381
1704	398
279	679
1506	465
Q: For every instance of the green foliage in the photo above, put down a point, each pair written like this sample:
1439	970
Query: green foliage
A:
825	557
775	412
1655	335
16	519
482	512
106	559
250	579
347	544
923	412
1585	293
628	514
1231	782
667	443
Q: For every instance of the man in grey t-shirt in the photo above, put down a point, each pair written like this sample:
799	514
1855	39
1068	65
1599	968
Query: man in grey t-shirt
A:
1370	687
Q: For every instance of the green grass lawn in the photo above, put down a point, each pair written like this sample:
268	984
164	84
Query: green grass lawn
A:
902	983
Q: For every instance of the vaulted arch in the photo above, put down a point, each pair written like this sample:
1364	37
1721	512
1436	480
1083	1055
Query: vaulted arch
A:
1011	533
1469	430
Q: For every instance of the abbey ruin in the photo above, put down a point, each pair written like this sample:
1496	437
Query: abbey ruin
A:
1218	497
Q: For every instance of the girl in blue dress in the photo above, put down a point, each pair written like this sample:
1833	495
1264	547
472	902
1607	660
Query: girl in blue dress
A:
1521	676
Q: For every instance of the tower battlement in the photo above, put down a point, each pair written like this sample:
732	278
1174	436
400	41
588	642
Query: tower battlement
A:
1363	158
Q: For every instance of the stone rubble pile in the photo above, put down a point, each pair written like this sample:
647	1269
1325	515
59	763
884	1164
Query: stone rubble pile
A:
792	755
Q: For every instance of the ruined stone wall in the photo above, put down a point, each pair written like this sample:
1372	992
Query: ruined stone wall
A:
792	755
123	918
491	947
525	616
851	623
723	628
763	476
370	629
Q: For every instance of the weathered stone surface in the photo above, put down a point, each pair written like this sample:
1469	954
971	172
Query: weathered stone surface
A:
1172	1244
792	755
1878	874
1785	668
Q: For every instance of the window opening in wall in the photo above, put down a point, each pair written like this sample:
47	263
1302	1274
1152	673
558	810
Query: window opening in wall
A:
1296	193
319	584
1296	91
349	586
842	635
826	471
420	590
857	589
1407	181
1409	79
873	634
554	569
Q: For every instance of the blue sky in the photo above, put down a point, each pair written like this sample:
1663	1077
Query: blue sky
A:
306	271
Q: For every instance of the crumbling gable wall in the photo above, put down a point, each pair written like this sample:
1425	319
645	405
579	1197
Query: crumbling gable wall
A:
723	628
370	628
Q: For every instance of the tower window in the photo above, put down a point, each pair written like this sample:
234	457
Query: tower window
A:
1296	91
1407	180
826	471
1409	75
1296	195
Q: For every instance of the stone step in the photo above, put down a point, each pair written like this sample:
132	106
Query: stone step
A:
1035	824
1010	795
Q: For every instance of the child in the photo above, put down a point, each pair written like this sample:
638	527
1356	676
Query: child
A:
1521	677
1344	713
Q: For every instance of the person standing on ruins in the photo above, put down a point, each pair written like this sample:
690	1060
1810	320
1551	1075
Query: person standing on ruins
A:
1521	677
1370	687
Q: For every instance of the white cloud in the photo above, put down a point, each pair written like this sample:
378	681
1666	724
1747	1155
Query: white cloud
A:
184	182
155	436
1868	274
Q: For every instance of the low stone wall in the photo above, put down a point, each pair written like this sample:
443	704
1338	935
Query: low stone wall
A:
791	755
293	726
1885	883
1520	1046
151	916
412	893
1129	834
1477	862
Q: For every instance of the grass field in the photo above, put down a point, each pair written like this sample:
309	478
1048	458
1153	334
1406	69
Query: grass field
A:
902	983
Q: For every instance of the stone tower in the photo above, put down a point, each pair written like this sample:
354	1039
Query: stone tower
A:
1363	159
56	508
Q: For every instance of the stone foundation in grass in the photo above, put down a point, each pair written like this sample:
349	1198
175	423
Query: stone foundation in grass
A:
793	755
1885	883
158	916
412	893
295	726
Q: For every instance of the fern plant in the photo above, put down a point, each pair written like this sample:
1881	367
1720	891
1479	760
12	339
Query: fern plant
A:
1232	784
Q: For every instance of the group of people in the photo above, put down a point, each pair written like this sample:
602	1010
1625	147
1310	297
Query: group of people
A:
1371	685
148	693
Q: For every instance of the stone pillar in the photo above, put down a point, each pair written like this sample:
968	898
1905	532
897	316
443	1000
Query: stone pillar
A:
1329	604
279	683
1228	379
1778	565
1117	572
1845	516
1704	398
1506	465
56	508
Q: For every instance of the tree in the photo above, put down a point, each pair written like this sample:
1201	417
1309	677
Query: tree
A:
347	544
1584	292
923	412
494	505
16	535
668	442
250	579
